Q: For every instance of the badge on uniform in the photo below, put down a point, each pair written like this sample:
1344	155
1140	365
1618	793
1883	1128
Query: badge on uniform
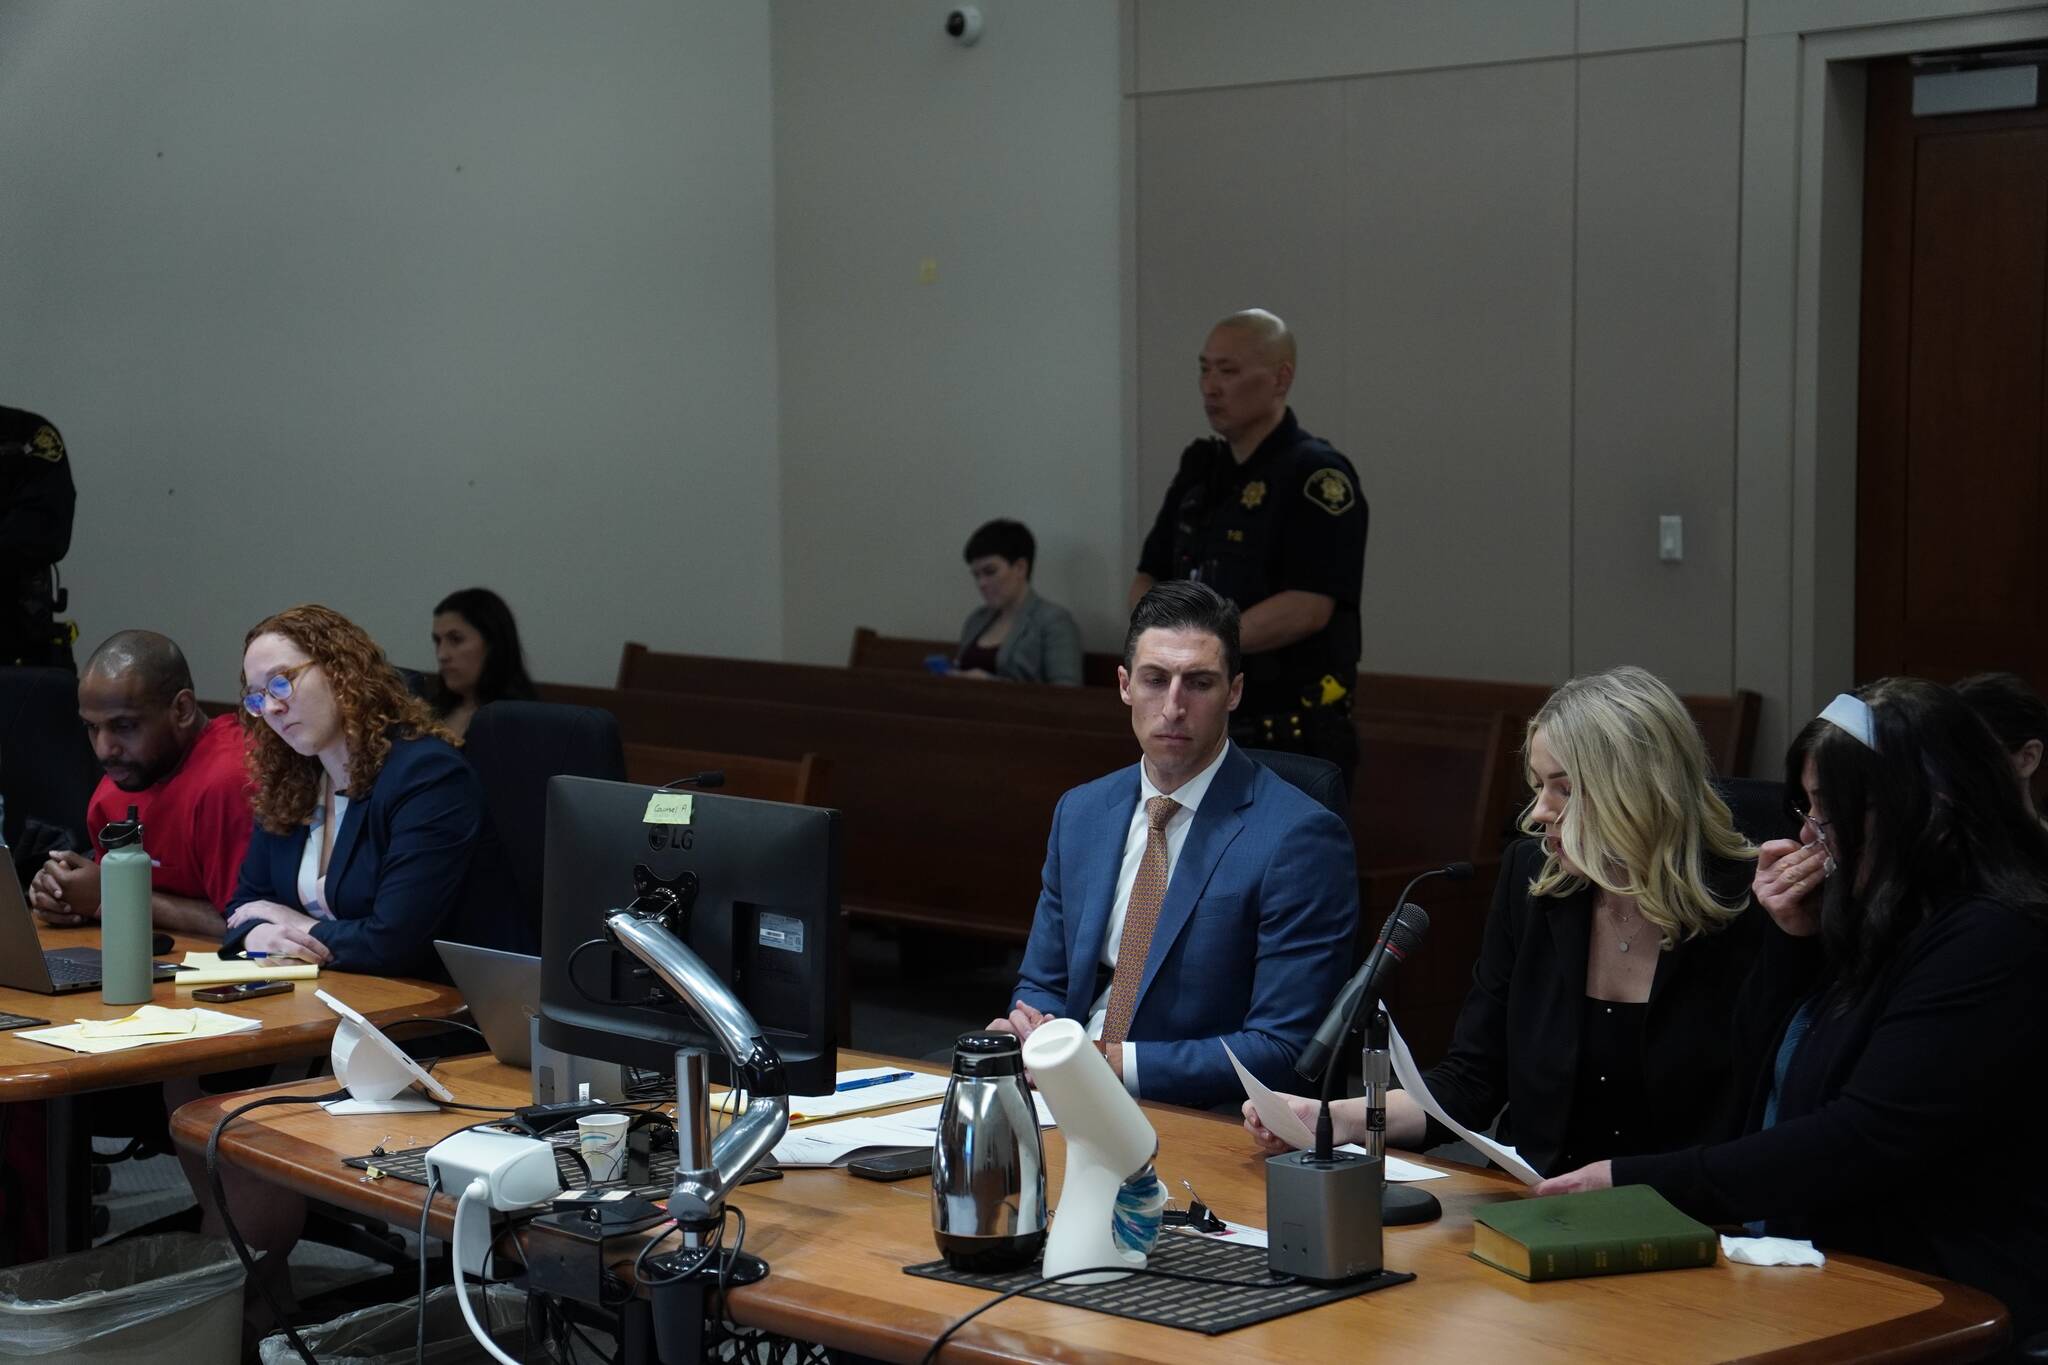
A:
46	444
1330	490
1254	494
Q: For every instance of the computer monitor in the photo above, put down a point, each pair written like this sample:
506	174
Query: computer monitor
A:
765	917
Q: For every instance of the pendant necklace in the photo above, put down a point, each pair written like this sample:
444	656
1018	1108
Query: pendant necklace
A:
1623	943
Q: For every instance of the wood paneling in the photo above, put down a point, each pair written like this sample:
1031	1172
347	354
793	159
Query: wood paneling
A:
1952	480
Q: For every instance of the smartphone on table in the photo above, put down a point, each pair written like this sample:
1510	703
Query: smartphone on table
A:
240	990
892	1165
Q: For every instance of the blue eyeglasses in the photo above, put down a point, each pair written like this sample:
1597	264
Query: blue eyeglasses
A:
279	686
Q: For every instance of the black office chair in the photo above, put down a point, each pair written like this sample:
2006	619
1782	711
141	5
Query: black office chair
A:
47	768
515	747
1758	807
1318	777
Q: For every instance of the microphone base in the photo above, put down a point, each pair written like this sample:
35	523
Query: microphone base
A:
1323	1217
1402	1205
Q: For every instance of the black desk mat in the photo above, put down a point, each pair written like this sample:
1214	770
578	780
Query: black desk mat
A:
1211	1309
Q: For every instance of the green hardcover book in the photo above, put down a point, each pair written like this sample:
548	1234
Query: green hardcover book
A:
1595	1232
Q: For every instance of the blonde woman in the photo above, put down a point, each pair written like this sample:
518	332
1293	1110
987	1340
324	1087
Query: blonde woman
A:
1620	937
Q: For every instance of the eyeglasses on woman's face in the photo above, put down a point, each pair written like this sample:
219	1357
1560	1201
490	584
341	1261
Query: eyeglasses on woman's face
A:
279	687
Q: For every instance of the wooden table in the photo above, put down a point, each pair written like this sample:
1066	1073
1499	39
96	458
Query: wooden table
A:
836	1247
295	1025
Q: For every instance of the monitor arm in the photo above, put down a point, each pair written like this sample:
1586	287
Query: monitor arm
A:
706	1172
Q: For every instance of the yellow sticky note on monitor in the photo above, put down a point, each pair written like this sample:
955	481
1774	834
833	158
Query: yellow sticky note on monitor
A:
669	808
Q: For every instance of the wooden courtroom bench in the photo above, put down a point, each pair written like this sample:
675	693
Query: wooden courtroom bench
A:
871	650
797	782
1727	723
872	689
1433	785
946	819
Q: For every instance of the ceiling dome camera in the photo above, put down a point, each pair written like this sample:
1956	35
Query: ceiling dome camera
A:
963	25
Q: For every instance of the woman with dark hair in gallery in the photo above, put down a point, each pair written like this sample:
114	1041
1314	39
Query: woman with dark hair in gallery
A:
477	653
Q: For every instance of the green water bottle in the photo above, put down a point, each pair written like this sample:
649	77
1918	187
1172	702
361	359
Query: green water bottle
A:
125	966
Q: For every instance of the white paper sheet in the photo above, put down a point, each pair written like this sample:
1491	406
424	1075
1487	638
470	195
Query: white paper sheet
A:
831	1144
1507	1158
1283	1123
804	1108
1232	1232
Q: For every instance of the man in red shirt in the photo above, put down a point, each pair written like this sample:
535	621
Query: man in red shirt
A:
183	773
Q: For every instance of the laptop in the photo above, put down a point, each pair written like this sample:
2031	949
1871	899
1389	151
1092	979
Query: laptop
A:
25	966
503	993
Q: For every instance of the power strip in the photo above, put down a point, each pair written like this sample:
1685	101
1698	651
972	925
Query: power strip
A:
514	1172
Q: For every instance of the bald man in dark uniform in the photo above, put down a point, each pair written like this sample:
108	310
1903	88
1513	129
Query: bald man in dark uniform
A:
1272	518
36	503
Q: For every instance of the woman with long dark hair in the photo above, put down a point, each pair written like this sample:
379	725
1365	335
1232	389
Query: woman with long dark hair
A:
1915	905
477	655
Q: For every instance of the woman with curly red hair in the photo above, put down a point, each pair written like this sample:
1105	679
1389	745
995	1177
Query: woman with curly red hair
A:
365	813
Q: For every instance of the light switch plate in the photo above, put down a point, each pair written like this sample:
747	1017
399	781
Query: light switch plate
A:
1671	539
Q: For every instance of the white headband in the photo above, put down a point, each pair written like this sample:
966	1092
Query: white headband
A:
1852	714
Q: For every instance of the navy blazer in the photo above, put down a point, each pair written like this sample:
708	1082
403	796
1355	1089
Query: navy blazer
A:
399	865
1253	939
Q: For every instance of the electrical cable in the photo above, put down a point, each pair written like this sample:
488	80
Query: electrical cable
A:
725	1265
938	1344
220	1201
478	1188
419	1340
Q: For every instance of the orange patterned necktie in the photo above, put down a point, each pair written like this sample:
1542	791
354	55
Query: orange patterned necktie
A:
1141	916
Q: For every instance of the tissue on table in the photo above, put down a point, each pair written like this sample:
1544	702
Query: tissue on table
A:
1770	1251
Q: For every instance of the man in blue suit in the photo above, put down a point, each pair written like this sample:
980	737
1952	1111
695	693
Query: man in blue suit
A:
1194	899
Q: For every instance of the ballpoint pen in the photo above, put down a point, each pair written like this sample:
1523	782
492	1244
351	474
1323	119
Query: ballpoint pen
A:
865	1081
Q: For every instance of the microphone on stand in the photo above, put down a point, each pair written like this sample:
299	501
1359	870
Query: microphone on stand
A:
1362	986
1325	1209
709	778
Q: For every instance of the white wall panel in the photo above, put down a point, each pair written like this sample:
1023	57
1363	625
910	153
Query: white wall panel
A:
1458	301
1659	182
1194	43
1241	204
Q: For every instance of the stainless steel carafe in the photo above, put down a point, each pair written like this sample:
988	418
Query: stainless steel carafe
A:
988	1166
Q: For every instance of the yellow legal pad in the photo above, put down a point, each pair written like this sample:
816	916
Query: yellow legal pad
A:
211	969
149	1024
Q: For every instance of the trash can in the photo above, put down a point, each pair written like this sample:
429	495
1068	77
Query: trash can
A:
174	1297
384	1334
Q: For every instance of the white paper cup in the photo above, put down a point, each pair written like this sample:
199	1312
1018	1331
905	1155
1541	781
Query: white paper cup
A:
601	1139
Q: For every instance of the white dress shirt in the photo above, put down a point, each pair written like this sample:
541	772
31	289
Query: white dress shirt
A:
1189	796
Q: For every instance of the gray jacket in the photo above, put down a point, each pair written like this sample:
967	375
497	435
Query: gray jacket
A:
1044	644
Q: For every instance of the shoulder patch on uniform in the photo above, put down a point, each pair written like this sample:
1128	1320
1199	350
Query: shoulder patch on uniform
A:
1330	489
46	444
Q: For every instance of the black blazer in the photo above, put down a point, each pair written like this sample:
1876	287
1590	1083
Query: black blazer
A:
1517	1039
397	871
1872	1152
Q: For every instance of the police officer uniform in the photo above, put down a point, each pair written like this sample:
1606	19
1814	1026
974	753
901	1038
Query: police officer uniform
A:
36	503
1290	518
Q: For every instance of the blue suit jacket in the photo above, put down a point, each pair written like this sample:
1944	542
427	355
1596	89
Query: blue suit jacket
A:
1253	939
399	865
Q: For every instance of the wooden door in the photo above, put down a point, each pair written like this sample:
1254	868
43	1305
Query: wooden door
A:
1952	488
